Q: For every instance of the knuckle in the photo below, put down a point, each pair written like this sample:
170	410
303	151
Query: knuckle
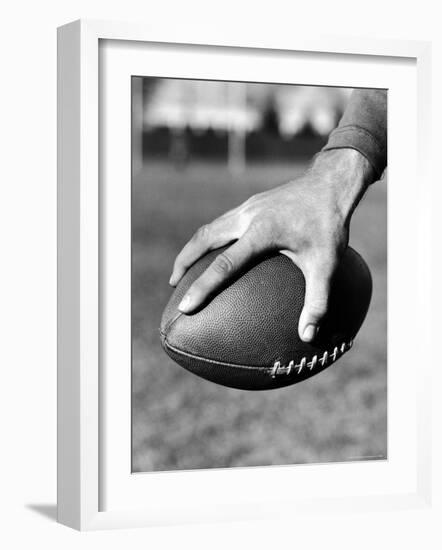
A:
263	230
252	207
203	233
262	224
223	264
250	202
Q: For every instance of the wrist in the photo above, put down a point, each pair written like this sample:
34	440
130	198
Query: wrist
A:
348	174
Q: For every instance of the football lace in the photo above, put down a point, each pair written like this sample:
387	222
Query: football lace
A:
326	358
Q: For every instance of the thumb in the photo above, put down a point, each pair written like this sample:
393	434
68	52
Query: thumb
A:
317	289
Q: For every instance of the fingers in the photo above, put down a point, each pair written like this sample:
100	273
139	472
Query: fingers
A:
207	238
221	269
317	289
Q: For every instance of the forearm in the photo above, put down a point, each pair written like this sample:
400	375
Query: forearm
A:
363	127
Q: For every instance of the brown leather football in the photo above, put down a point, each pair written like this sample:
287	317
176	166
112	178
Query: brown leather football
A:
246	336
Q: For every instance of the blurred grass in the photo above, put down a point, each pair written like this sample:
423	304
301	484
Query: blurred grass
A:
183	422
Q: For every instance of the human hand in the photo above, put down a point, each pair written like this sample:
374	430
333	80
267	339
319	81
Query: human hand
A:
306	219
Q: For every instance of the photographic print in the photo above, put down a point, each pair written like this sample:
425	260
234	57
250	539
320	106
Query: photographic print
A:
259	274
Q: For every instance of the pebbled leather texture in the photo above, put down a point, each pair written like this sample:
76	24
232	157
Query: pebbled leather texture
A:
246	336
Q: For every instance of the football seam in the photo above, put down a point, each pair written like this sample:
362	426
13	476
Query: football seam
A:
276	369
170	322
212	361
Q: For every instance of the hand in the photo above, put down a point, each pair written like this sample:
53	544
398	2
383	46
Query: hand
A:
306	219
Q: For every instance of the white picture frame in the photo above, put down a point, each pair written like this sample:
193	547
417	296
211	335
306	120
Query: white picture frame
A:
83	446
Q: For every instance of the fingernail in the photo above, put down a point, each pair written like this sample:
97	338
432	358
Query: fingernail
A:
309	332
172	280
185	304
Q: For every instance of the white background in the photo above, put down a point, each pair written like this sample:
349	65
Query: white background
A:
28	252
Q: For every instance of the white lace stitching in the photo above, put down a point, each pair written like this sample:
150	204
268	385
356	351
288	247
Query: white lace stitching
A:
326	358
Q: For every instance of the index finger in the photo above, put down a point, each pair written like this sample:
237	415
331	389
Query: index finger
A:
220	270
208	237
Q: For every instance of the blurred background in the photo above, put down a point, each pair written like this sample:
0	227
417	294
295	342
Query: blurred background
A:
200	148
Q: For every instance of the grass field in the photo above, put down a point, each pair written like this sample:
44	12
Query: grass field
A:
183	422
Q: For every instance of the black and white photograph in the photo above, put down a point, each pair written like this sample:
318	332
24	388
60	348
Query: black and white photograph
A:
259	274
221	275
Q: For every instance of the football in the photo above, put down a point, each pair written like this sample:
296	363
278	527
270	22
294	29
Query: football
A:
246	335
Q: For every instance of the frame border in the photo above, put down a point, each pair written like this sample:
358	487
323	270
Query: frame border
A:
78	389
